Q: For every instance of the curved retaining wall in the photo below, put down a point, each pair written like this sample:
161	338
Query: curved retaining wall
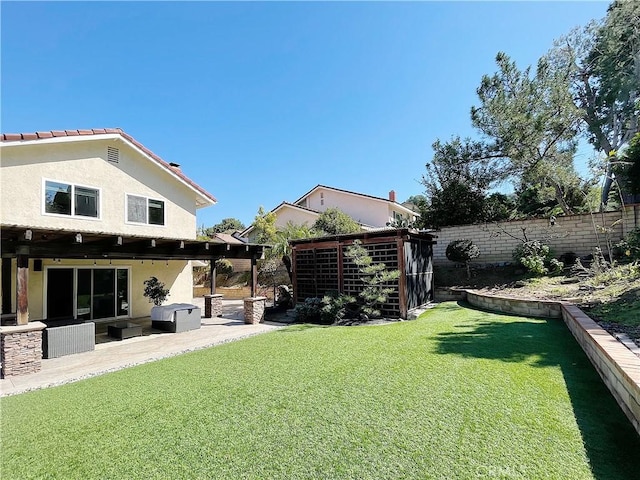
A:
618	367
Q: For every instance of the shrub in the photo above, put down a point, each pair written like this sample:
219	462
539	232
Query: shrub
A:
310	311
336	306
224	267
536	257
329	309
629	247
462	251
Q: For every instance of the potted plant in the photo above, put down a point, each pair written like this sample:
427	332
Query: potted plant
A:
154	290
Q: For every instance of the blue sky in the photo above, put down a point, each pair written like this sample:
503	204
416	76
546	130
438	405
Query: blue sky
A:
261	101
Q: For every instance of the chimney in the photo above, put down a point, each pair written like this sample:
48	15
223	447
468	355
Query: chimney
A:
174	166
392	196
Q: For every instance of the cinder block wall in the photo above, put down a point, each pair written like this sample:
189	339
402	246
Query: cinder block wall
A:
574	233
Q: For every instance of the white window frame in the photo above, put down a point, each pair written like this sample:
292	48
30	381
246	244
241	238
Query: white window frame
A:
147	198
73	200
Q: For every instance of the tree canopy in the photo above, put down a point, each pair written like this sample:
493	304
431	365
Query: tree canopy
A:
264	225
227	225
601	62
530	120
334	221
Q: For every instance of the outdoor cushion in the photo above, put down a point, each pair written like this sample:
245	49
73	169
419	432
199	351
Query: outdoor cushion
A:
166	313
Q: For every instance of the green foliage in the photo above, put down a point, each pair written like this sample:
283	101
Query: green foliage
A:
327	310
333	221
601	63
457	179
264	225
375	277
224	267
629	247
627	168
291	231
462	251
310	311
154	290
498	207
227	225
531	123
456	394
536	257
456	204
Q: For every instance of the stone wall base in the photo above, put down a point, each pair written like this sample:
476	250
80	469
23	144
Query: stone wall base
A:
21	349
213	305
254	308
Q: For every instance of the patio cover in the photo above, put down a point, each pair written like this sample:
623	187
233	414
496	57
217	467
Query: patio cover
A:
24	243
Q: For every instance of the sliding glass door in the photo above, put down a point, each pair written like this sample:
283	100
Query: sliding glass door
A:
59	293
87	293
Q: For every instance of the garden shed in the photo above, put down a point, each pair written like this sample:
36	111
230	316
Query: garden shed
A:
320	266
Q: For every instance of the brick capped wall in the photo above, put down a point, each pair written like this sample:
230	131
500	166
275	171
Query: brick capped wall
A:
574	233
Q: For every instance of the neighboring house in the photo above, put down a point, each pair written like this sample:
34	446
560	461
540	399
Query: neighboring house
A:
86	216
369	211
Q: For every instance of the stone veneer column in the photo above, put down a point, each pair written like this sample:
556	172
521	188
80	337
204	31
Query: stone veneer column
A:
254	309
21	349
213	305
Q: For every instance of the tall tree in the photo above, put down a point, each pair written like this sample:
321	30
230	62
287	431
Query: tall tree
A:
334	221
265	226
602	64
531	121
457	180
627	169
227	225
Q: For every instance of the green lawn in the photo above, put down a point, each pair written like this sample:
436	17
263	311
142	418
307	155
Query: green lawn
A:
458	393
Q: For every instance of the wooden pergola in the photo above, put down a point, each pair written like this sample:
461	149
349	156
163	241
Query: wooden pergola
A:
25	243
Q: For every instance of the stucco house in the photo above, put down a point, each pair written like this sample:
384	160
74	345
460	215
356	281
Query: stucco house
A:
369	211
86	216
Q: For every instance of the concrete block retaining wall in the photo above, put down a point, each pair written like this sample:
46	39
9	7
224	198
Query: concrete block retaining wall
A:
618	367
573	233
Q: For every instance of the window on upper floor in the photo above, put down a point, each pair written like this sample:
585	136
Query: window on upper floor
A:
145	210
67	199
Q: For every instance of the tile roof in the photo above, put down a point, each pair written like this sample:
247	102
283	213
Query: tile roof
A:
11	137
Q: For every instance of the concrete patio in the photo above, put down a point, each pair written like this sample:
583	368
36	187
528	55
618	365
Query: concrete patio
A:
116	355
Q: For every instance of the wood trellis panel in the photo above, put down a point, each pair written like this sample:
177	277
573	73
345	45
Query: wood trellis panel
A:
386	253
316	272
321	266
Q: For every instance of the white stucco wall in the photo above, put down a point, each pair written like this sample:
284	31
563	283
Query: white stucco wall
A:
288	214
369	211
84	163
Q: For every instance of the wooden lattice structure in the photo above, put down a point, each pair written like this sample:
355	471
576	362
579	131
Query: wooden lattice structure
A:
320	266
